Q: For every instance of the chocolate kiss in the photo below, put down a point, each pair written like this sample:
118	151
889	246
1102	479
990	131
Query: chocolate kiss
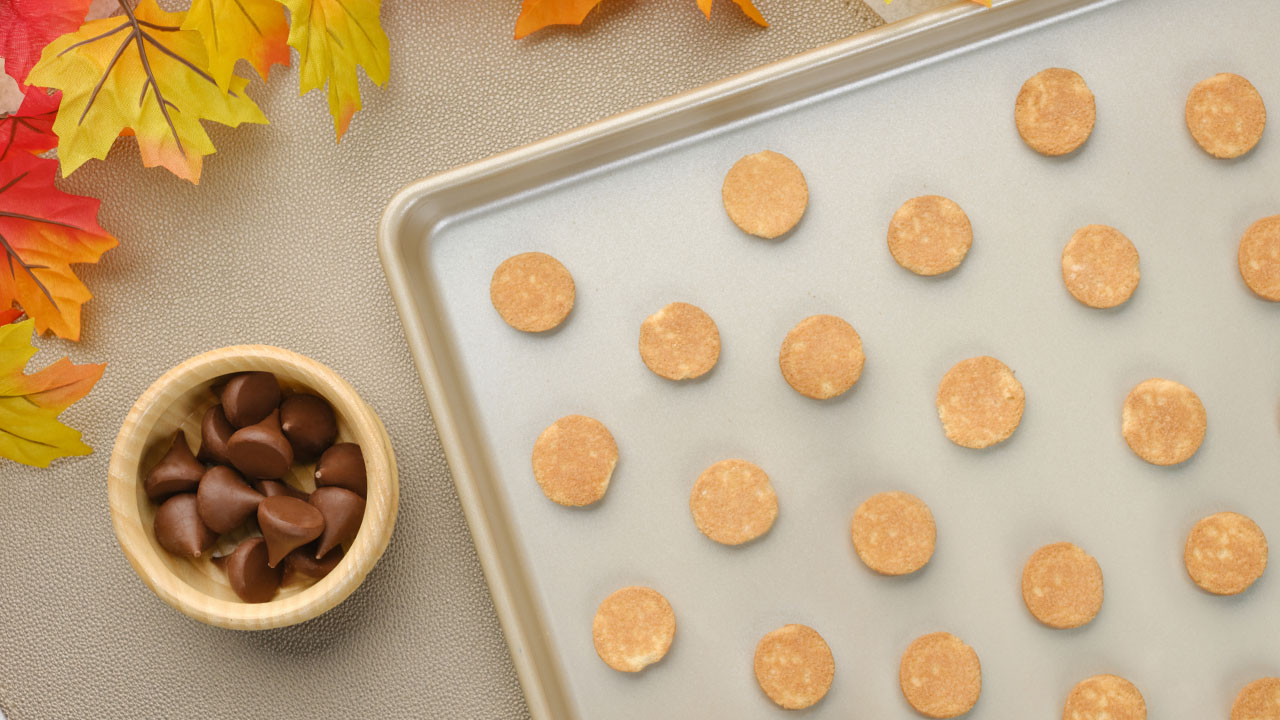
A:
176	472
215	432
342	466
271	488
249	397
261	450
287	523
343	511
304	562
251	577
178	527
308	422
224	500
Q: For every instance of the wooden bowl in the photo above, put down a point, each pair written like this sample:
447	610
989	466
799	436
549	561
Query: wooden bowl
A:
178	401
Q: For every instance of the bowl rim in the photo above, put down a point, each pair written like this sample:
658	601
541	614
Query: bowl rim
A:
124	475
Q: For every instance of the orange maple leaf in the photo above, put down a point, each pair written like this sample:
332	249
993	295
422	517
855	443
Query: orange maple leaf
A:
747	8
42	231
537	14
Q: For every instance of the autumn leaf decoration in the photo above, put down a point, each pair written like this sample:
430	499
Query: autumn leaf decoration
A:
333	37
537	14
30	432
144	74
42	231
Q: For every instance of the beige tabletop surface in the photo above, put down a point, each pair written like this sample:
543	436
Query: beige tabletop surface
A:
277	246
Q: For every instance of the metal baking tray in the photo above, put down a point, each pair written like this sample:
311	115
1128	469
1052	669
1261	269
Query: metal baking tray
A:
631	205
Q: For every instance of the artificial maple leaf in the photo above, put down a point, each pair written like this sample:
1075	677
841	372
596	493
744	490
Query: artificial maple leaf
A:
333	37
537	14
29	25
144	74
30	128
255	30
8	316
42	231
30	432
747	8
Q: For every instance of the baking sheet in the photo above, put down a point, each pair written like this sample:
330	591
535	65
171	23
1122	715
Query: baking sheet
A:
647	228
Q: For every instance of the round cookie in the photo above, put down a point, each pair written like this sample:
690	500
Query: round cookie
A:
894	533
1163	421
765	194
1054	111
633	628
1259	258
679	342
532	291
1225	553
1259	700
821	357
794	666
733	502
940	675
930	235
1104	697
980	402
1100	266
1062	586
1225	115
573	460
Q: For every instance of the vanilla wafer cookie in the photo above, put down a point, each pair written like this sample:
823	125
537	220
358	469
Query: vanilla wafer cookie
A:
1225	115
794	666
532	291
894	533
733	502
765	194
1163	421
573	460
633	628
940	675
1225	553
1062	586
1054	111
821	357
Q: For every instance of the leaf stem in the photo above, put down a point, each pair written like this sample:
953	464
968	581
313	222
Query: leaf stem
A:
13	255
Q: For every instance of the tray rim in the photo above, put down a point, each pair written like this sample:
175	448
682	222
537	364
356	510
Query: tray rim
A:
536	665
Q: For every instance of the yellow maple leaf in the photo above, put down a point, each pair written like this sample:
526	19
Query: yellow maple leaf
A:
140	74
747	8
255	30
30	432
333	37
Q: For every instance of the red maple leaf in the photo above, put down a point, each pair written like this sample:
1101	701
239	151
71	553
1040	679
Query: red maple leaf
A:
30	128
42	232
29	25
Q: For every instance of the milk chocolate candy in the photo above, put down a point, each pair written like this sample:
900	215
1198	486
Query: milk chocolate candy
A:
343	511
261	450
249	397
271	488
303	561
342	466
178	471
225	500
179	529
249	574
287	523
215	432
309	423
